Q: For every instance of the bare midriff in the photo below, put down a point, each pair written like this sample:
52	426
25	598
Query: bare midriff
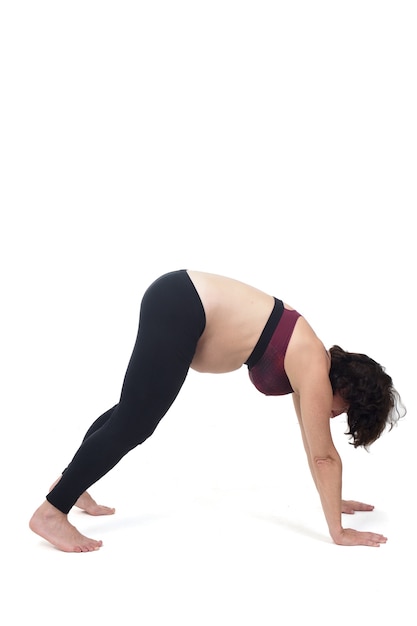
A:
236	314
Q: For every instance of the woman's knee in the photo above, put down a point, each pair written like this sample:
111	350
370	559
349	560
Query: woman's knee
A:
130	432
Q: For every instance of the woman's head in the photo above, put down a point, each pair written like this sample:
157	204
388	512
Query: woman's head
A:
369	393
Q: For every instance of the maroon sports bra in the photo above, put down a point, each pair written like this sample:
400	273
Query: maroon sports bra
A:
267	373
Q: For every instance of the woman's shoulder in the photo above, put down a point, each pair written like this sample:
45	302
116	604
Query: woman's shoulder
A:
306	354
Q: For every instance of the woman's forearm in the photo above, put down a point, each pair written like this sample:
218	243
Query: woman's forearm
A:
327	474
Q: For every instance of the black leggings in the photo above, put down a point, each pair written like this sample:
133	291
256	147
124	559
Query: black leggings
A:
172	320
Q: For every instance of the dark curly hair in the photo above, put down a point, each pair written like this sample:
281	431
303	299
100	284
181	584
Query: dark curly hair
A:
373	402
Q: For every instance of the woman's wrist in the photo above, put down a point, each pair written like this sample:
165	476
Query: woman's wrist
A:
336	533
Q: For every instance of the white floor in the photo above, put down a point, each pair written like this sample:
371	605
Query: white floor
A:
269	141
218	523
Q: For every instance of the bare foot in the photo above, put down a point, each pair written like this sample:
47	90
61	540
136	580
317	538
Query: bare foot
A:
88	504
53	525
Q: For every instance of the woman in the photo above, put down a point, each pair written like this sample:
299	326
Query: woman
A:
216	324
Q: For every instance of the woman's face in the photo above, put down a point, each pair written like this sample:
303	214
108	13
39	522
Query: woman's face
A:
339	405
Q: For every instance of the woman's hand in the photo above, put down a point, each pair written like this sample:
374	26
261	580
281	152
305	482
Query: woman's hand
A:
350	537
350	506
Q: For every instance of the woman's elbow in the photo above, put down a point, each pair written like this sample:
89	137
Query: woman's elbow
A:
327	460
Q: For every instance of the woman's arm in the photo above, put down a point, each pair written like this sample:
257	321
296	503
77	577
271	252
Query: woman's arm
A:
296	401
324	460
313	404
347	506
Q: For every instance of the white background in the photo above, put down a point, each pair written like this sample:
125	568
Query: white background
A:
270	141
